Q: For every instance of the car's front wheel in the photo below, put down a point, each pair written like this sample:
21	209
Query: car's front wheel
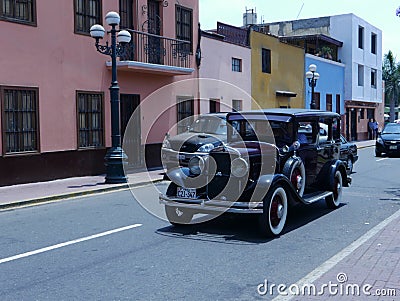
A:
333	201
378	153
178	216
273	219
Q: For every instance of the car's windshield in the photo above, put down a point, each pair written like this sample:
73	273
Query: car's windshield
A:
278	132
391	129
209	125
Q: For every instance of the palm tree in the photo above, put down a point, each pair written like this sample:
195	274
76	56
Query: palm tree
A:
391	76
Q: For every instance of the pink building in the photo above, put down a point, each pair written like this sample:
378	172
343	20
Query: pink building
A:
225	70
55	103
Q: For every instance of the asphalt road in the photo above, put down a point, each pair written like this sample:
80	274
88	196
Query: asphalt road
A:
107	247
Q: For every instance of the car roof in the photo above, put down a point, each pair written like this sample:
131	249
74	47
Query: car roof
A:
288	112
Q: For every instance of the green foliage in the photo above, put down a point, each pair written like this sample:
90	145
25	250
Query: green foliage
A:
391	76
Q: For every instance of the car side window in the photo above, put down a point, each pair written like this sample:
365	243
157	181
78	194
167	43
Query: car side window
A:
307	132
336	129
323	136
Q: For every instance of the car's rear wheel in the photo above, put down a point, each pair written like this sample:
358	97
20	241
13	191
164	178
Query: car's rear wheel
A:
333	201
273	219
178	216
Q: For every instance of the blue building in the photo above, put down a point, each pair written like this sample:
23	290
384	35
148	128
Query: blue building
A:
329	89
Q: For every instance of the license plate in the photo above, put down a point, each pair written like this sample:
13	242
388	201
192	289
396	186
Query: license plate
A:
186	193
393	147
180	157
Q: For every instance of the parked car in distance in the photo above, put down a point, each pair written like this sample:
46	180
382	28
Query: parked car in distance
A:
272	159
348	150
348	153
388	140
207	132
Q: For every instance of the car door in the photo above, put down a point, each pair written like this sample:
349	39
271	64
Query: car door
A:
307	133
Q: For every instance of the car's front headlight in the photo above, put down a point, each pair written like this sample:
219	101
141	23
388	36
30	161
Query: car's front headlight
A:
166	144
239	167
379	140
196	165
206	148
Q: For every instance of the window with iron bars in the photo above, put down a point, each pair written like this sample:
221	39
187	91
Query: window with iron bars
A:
185	111
20	11
90	120
87	13
184	27
20	120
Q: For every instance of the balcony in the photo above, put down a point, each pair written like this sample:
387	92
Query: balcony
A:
149	53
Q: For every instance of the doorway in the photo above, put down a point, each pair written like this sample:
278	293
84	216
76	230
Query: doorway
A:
353	124
129	107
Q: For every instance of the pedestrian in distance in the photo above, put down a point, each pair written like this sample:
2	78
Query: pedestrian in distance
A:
375	128
371	129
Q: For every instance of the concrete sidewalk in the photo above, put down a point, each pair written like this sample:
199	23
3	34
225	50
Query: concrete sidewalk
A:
33	193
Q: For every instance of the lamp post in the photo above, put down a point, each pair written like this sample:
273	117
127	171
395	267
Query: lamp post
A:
312	77
115	157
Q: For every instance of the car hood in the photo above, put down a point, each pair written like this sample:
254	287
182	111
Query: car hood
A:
394	137
250	148
190	142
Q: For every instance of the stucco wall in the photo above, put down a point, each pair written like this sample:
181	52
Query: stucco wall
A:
287	72
217	64
345	28
331	81
59	62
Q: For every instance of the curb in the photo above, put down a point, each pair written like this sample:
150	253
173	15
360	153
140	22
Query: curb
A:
365	146
58	197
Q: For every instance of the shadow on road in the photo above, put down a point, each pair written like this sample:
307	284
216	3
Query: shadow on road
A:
243	229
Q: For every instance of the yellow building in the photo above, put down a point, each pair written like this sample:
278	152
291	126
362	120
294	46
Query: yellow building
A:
277	72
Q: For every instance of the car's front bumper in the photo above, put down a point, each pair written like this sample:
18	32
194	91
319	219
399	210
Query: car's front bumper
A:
212	206
388	148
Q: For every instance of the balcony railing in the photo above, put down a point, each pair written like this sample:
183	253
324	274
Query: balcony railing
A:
153	49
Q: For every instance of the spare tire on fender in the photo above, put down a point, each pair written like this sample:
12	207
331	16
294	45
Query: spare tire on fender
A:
295	171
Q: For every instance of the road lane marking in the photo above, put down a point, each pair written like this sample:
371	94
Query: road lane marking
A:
381	159
334	260
68	243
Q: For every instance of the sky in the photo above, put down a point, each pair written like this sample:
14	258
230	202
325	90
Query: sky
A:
379	13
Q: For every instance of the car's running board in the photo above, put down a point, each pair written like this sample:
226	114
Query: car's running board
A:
316	196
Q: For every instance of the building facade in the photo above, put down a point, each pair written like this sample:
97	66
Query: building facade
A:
361	55
225	70
329	90
55	103
276	72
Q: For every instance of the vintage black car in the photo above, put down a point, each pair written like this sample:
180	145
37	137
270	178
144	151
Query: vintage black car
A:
272	159
207	132
388	140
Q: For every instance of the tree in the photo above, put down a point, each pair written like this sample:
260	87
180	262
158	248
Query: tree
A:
391	76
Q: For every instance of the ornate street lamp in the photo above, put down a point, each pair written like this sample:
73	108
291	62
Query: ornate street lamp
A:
115	157
312	77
